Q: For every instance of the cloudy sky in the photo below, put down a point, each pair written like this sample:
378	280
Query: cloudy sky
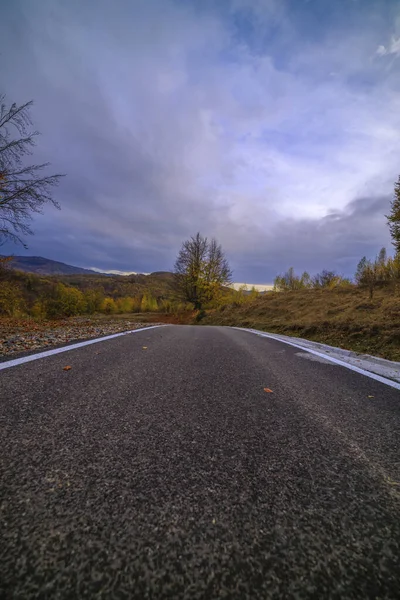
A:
273	125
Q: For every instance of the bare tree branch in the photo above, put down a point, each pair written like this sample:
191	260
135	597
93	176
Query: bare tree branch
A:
22	190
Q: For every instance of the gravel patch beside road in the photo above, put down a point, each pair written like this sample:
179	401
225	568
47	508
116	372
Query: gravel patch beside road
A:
21	336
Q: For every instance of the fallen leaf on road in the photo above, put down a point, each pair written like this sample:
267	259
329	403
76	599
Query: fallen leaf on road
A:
268	391
67	368
392	482
371	396
144	347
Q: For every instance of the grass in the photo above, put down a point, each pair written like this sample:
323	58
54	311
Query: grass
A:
343	317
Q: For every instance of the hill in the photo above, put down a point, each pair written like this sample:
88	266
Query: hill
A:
40	295
46	266
343	317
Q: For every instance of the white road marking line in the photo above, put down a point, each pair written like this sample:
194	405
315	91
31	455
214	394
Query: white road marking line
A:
24	359
336	361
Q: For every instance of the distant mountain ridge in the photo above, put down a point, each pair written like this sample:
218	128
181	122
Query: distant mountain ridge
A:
46	266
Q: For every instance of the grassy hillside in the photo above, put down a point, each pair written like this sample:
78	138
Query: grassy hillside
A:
343	317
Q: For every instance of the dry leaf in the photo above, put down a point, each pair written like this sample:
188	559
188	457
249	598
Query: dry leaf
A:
144	347
371	396
67	368
268	391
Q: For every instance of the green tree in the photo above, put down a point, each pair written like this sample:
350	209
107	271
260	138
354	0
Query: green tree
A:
23	188
394	217
201	270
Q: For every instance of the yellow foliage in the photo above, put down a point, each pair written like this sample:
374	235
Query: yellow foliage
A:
149	303
108	306
65	301
124	305
39	309
11	299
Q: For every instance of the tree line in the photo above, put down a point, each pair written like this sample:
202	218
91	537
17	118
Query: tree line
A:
383	271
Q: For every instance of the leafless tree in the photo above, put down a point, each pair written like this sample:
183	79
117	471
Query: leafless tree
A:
24	189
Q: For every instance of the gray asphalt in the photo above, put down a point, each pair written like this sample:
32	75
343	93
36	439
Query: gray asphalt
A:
169	472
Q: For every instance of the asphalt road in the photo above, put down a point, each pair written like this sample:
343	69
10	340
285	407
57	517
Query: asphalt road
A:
168	472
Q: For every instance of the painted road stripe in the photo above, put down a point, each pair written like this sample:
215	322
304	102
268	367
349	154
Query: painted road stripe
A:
25	359
336	361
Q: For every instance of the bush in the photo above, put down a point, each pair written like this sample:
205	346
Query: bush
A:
124	305
65	302
149	303
200	315
108	306
93	300
39	309
12	302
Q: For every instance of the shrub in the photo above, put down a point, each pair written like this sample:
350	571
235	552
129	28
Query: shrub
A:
65	301
149	303
93	301
108	306
12	302
124	305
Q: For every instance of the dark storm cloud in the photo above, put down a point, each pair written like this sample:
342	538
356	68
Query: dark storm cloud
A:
167	123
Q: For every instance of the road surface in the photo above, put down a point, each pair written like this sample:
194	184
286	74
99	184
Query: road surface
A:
159	467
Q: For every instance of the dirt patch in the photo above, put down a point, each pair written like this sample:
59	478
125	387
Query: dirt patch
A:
21	335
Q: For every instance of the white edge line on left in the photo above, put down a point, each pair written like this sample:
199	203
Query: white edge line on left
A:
24	359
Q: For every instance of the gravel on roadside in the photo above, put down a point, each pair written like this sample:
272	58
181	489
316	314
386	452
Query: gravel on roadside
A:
17	336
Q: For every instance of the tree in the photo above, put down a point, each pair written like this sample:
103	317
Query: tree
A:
289	281
370	277
381	267
326	279
201	269
24	189
65	301
149	303
11	298
360	271
394	217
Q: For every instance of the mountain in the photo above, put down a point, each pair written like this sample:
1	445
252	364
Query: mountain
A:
45	266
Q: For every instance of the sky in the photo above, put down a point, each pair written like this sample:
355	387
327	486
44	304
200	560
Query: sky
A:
272	125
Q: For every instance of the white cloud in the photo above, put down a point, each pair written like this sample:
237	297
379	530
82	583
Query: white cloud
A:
392	48
115	272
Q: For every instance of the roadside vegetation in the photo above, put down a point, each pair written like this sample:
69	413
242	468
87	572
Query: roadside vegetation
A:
51	297
361	313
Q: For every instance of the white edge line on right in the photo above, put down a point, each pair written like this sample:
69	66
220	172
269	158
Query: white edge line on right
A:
336	361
